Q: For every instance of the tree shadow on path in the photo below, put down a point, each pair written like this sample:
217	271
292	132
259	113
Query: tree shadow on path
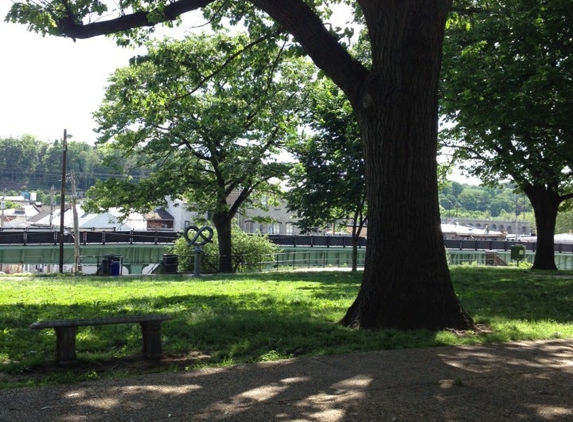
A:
512	381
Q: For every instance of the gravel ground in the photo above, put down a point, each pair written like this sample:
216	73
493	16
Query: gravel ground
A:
521	381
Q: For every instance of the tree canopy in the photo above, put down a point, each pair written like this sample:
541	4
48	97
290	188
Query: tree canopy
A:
27	162
394	97
507	94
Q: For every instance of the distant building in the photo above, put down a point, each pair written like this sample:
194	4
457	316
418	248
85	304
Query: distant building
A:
509	227
276	219
159	219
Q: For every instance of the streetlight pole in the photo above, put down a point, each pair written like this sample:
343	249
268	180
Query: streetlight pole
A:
63	199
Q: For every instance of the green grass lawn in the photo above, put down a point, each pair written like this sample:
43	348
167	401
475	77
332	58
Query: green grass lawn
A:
252	318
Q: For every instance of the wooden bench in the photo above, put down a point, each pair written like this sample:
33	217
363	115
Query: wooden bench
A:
67	329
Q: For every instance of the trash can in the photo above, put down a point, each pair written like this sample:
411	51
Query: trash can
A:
169	264
115	268
517	253
105	267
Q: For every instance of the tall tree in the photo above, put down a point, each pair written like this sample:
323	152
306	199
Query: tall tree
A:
328	184
209	120
507	92
395	100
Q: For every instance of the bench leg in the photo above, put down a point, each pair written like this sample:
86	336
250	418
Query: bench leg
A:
66	344
151	333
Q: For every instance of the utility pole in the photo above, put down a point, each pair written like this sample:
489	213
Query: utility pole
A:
77	264
63	198
517	212
3	205
51	207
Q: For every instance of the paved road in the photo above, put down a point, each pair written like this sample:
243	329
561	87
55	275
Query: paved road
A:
525	381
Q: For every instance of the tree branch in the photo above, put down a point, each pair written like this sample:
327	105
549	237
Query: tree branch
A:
297	18
468	11
68	26
564	198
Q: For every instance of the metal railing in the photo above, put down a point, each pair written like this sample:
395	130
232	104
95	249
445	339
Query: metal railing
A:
49	237
45	237
308	259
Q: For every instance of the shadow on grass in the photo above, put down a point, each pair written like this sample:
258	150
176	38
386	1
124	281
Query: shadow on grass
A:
515	294
225	328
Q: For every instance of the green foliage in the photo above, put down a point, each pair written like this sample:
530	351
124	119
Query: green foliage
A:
207	114
10	205
328	182
28	163
564	222
506	91
248	251
506	94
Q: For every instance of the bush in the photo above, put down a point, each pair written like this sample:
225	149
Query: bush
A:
248	251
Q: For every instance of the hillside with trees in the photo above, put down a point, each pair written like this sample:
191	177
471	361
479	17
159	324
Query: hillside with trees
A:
27	163
482	202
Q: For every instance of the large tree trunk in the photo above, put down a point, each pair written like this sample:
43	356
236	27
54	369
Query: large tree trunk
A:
222	222
406	282
545	203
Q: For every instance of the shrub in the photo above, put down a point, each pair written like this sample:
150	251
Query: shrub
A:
248	251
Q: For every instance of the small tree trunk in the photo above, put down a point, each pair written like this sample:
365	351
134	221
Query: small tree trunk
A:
222	222
355	240
406	282
545	203
356	230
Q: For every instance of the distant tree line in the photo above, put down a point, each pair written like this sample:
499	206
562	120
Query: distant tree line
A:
481	202
27	163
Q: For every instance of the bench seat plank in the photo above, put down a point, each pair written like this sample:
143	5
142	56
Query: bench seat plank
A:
125	319
66	330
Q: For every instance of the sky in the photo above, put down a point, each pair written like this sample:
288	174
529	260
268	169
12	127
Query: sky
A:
48	84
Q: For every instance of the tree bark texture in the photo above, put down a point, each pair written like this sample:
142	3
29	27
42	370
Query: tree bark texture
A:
545	203
406	283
